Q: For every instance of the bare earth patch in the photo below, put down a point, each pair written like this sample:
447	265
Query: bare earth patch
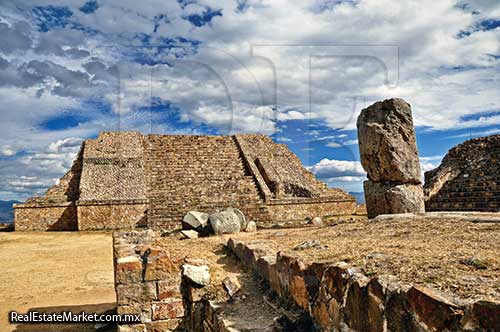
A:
55	271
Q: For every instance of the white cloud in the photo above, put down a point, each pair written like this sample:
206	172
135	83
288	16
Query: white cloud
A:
7	151
66	143
348	175
291	115
334	145
330	168
451	82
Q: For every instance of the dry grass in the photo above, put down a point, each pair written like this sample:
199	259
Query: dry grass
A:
455	256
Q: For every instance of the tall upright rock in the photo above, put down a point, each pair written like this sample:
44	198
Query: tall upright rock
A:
389	155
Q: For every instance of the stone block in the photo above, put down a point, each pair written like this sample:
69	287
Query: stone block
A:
355	310
164	325
172	308
375	317
128	270
197	294
226	222
487	314
313	276
274	280
335	280
387	142
389	198
199	275
320	315
195	220
263	266
143	310
123	250
160	267
132	328
232	285
136	293
170	288
252	252
398	313
433	309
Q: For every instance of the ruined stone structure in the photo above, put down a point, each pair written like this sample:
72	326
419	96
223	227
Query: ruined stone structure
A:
468	178
389	155
126	179
309	296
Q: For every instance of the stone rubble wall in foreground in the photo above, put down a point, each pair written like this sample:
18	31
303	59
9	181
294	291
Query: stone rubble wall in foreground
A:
339	297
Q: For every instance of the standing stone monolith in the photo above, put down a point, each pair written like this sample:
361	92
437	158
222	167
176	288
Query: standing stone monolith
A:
389	154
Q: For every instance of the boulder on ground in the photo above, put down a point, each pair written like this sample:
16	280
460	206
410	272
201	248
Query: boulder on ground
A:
190	234
200	275
195	220
251	227
390	198
229	221
387	142
243	220
232	285
316	221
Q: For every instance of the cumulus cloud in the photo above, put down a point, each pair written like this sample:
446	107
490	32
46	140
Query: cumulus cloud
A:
7	151
64	144
348	175
239	66
331	168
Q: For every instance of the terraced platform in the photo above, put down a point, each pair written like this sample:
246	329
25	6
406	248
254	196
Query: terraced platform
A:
430	274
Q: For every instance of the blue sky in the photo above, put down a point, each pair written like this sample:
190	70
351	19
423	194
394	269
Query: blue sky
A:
300	71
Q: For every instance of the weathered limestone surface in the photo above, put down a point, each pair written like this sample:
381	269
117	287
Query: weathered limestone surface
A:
196	220
387	142
468	178
229	221
390	198
128	180
389	155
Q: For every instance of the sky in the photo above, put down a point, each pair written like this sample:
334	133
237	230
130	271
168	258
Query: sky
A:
299	71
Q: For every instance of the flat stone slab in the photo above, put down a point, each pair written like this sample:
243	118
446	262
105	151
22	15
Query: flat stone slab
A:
475	217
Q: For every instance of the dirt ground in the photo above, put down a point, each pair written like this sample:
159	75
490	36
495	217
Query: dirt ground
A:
54	272
456	256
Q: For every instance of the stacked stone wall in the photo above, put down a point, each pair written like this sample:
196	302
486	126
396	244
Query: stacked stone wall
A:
147	283
299	209
340	298
112	215
113	168
197	173
468	178
126	179
289	190
46	217
281	172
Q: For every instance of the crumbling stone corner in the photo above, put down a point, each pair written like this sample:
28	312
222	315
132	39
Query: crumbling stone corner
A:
147	283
